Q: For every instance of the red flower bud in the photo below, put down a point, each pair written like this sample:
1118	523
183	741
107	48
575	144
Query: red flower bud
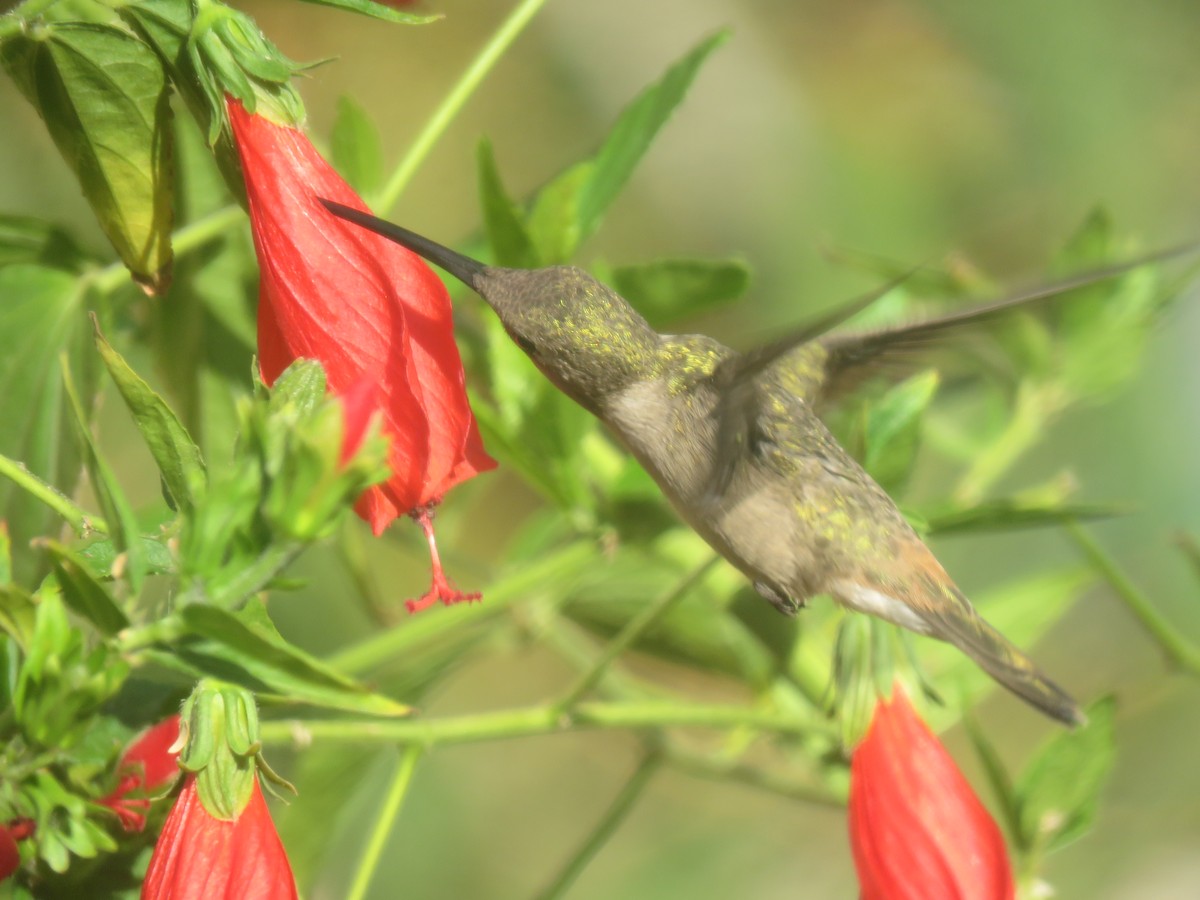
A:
149	763
202	857
366	309
917	830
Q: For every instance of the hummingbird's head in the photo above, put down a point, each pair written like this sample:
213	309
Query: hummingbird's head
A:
584	336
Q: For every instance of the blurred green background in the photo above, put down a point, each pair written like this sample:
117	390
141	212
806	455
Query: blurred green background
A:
913	130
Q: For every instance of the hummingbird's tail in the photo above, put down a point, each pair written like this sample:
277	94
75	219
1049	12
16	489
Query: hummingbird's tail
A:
920	596
1005	662
465	269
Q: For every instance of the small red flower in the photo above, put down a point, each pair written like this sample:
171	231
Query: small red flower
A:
10	855
365	308
202	857
149	763
917	830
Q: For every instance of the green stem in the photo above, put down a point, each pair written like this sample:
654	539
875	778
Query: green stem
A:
454	101
383	823
257	576
536	720
1180	651
713	768
79	519
634	629
189	237
394	643
604	829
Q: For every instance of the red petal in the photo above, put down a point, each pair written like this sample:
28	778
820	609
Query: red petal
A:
10	856
205	858
917	830
363	307
148	764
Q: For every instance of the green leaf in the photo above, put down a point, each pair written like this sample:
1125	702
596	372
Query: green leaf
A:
893	426
248	640
83	592
1059	790
121	520
376	11
28	240
104	97
553	222
103	556
667	290
997	775
41	316
510	242
355	148
178	458
1014	512
633	132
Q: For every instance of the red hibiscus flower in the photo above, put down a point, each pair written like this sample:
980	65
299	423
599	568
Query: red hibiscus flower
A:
206	858
10	855
365	308
149	763
917	830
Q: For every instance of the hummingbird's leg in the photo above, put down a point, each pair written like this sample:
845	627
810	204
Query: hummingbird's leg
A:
778	598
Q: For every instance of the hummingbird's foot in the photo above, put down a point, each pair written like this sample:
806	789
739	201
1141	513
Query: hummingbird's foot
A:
440	588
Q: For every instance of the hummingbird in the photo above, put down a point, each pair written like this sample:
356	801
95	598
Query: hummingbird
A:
736	442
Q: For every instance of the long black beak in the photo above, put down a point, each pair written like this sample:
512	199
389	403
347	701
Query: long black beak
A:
468	271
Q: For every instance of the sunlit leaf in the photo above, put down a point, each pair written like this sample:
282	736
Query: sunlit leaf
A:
1059	791
103	95
667	290
355	148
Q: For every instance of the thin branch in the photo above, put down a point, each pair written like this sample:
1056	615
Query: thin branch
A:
1179	650
483	63
537	720
83	522
605	828
634	629
384	822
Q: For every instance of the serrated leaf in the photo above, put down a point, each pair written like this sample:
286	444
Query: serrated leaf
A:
376	11
104	97
117	511
633	133
667	290
41	316
248	640
355	148
176	454
510	242
1059	790
83	592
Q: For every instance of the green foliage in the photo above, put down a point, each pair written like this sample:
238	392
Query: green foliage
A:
103	96
148	597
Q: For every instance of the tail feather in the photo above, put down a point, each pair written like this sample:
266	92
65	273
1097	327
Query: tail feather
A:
1006	663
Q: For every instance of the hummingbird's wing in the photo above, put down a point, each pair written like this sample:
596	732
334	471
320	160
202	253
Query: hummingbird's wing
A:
737	382
895	351
912	589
